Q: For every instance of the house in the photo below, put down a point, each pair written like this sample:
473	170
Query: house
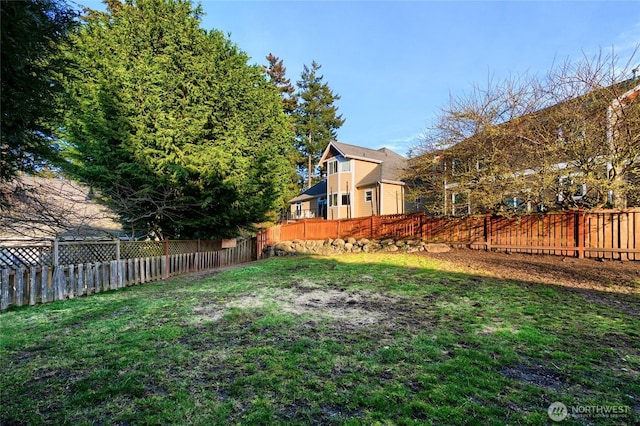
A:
359	182
45	208
578	153
311	203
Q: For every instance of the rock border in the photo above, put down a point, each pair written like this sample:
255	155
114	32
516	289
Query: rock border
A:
351	245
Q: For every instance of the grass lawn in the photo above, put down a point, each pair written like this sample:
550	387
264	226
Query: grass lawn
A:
355	339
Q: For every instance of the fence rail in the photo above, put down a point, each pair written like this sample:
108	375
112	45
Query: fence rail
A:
28	280
607	234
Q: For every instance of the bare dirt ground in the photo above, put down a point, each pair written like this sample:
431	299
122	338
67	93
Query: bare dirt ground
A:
606	282
605	275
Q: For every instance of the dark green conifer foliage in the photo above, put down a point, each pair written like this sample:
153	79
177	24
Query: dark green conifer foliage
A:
317	119
168	121
32	31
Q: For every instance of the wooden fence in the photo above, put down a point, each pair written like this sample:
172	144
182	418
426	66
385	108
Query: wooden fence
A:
607	234
103	266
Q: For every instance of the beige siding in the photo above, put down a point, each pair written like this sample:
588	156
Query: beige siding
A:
392	199
341	183
362	207
364	169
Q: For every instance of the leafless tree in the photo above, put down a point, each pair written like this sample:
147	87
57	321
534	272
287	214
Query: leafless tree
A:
52	207
568	139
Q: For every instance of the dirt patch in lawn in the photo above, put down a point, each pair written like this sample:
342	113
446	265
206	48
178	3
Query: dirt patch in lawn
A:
351	308
534	374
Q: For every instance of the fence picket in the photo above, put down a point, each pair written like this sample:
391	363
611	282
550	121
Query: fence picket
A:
4	289
44	284
89	278
33	285
80	281
58	283
70	282
19	286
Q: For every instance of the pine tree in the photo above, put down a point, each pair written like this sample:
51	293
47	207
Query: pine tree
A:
276	71
316	117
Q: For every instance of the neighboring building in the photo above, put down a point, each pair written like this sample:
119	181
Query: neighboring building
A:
359	182
312	203
576	153
42	208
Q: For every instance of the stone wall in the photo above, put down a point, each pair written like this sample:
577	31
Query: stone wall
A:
351	245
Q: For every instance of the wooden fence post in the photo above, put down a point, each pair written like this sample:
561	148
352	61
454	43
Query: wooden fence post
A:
487	232
166	258
55	250
118	272
580	230
371	227
33	289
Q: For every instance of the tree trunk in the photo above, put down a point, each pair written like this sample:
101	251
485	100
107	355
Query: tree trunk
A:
309	166
309	173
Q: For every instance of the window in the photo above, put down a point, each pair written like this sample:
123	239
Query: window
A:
368	195
332	167
346	166
346	199
298	209
333	200
458	166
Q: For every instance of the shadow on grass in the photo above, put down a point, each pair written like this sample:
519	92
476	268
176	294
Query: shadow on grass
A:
357	339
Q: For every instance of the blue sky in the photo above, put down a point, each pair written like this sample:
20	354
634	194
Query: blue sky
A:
396	63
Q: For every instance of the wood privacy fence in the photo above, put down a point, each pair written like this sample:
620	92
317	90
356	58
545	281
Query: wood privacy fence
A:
41	273
607	234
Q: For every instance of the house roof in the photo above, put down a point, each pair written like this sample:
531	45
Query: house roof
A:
317	190
392	163
54	207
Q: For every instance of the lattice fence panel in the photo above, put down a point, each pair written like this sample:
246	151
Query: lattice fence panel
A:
74	253
141	249
182	247
26	255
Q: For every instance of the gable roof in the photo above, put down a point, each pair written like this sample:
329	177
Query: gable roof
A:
54	208
392	163
317	190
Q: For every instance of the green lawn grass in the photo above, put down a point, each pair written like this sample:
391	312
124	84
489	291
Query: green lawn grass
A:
356	339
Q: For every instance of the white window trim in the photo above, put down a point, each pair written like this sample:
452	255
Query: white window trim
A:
368	192
330	200
331	165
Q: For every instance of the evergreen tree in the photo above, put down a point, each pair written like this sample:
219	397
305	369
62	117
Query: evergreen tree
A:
276	71
316	117
169	123
32	32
